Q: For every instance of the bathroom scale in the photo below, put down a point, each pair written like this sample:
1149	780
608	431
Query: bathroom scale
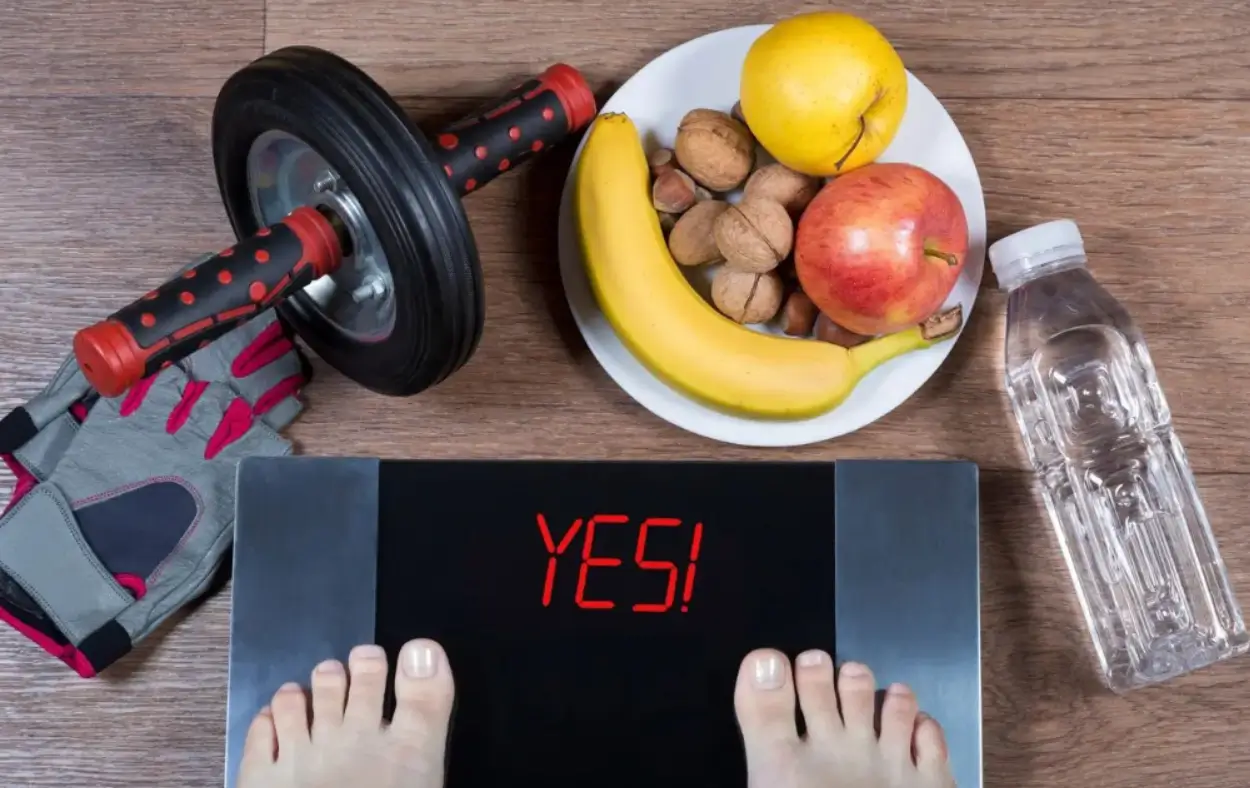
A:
595	614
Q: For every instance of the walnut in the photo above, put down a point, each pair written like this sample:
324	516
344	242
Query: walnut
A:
746	297
692	240
716	150
755	235
793	190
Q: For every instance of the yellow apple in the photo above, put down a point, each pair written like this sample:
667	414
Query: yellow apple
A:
823	92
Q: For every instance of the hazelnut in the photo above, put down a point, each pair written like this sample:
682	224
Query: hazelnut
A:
793	190
746	297
829	331
799	315
755	235
715	149
667	221
661	162
692	240
672	192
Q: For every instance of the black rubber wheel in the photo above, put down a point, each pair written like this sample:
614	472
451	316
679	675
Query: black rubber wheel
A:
389	166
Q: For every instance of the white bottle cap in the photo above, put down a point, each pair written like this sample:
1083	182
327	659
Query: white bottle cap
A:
1017	254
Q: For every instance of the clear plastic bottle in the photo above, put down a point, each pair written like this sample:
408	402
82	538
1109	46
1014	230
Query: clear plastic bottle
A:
1115	479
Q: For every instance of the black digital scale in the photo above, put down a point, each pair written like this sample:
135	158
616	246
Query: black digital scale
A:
595	613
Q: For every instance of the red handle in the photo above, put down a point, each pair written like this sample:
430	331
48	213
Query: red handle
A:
532	117
204	302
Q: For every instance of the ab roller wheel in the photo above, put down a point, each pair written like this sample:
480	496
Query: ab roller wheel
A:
349	221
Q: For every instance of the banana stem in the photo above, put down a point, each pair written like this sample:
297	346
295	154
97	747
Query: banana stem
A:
876	352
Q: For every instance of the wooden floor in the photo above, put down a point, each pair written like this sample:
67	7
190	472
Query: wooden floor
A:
1134	120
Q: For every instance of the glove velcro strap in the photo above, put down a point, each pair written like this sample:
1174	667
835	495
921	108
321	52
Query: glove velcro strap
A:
43	551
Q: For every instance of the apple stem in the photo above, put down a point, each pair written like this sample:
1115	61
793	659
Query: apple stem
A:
950	259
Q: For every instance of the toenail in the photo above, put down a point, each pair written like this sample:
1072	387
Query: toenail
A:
330	667
769	673
369	658
810	659
419	660
900	689
265	712
290	686
854	669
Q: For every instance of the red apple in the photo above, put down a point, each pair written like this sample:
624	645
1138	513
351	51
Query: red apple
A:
879	248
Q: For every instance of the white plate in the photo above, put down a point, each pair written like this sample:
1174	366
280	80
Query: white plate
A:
705	73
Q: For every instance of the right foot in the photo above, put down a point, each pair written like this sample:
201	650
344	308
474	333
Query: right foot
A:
840	750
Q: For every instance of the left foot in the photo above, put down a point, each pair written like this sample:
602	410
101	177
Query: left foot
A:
347	742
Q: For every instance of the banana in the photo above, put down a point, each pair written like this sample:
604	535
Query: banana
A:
678	335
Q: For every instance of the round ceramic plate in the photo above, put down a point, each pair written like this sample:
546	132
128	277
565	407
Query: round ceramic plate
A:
705	73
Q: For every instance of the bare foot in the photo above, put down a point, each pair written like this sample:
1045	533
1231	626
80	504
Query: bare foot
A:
840	750
348	743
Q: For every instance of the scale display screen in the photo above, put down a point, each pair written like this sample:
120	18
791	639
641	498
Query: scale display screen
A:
595	615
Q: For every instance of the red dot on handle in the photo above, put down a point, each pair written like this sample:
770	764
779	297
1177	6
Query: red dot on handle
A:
150	296
537	146
148	320
685	609
447	169
226	252
187	298
167	365
189	274
262	256
514	133
205	343
256	291
504	164
262	232
549	113
225	277
448	141
470	185
480	151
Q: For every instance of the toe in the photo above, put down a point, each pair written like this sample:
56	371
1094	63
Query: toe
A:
423	694
856	692
329	693
764	699
259	748
898	722
290	718
368	668
813	675
929	747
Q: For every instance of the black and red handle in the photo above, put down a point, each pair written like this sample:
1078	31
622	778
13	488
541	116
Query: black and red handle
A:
206	301
185	313
530	118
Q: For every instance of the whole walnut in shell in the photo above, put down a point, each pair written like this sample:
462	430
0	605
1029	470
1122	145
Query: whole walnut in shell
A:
793	190
692	240
755	235
746	297
715	149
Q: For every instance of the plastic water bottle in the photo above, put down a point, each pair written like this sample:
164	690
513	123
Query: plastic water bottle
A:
1116	482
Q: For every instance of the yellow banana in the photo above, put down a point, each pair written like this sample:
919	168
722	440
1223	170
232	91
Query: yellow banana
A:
673	331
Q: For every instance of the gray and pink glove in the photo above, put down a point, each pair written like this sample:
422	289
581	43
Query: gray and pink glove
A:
124	508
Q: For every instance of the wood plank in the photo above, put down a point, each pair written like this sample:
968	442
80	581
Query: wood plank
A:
1047	721
960	48
110	205
158	47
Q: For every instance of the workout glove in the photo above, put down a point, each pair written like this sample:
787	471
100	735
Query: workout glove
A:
124	507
